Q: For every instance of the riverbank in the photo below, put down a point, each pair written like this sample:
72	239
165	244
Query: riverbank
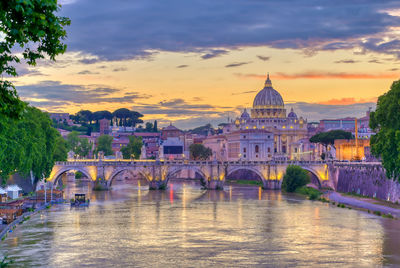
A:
367	204
23	217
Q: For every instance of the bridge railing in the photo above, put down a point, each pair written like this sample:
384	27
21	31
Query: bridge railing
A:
95	162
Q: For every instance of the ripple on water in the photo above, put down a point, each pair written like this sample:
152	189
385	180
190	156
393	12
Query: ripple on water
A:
187	226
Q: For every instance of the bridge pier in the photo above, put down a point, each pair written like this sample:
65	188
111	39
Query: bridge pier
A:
101	185
215	184
158	185
272	184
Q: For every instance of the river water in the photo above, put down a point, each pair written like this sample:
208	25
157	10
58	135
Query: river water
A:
187	226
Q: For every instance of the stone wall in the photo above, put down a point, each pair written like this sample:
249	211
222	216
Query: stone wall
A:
366	179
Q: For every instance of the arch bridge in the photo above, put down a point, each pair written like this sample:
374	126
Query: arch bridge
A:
212	173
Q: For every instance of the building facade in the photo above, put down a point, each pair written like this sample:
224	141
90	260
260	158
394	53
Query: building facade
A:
284	134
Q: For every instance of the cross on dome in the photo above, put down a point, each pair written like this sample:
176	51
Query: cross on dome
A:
268	82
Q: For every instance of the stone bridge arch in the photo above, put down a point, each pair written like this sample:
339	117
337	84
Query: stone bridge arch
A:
118	171
230	171
57	172
176	169
315	177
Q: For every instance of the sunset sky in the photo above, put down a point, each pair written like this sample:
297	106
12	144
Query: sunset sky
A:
202	61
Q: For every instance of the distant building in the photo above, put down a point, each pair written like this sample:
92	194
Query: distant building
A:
347	149
248	144
267	132
170	132
64	133
104	126
172	148
348	124
151	141
59	117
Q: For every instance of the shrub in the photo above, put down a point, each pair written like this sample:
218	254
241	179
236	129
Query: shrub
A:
295	177
389	216
78	175
378	213
312	193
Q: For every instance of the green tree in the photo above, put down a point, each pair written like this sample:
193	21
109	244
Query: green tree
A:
328	138
132	148
199	152
27	145
33	26
203	130
149	127
155	127
84	147
385	122
73	141
104	143
122	114
295	177
60	151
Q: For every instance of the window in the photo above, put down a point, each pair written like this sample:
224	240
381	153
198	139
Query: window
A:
295	150
256	149
244	150
244	156
269	150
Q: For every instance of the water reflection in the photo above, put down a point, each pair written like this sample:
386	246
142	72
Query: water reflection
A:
188	226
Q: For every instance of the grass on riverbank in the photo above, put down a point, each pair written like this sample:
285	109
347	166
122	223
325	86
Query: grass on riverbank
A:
377	200
247	182
311	193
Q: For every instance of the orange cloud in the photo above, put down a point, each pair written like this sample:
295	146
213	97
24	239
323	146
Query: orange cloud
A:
321	75
347	101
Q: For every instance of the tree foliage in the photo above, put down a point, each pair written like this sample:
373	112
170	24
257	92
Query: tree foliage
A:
133	148
33	26
199	152
61	150
385	122
28	144
328	138
79	146
104	143
203	130
294	178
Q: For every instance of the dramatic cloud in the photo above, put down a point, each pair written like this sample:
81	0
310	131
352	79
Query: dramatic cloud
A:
48	92
236	64
120	69
320	75
214	53
87	72
316	112
347	61
263	58
245	92
137	29
347	101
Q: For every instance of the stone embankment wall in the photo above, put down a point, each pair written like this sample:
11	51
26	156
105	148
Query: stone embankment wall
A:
368	179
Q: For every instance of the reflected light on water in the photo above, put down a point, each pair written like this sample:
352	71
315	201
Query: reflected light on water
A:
188	226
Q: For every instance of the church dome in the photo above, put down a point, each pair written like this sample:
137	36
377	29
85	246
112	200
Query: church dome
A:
292	114
245	115
268	97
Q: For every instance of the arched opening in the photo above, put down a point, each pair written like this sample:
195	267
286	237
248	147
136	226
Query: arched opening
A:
245	176
71	181
187	176
127	178
313	178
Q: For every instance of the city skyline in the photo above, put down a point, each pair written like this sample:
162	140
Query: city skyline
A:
185	64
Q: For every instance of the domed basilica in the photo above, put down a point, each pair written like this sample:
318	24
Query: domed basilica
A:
266	133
